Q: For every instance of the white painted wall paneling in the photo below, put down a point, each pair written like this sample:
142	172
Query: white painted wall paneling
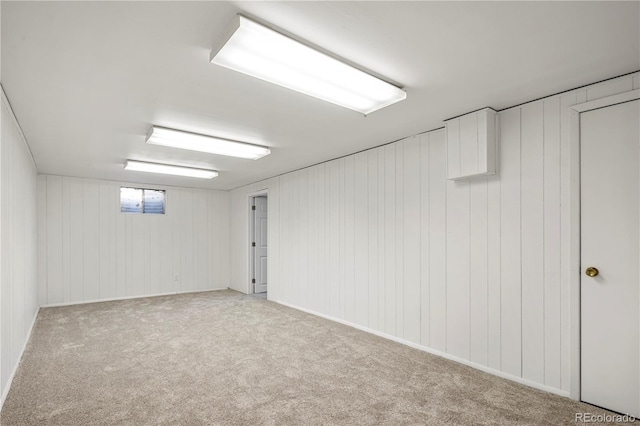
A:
532	210
478	271
511	244
361	272
437	170
410	259
390	238
552	241
19	264
95	252
373	281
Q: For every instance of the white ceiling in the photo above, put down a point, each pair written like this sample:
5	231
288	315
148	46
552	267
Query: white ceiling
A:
88	79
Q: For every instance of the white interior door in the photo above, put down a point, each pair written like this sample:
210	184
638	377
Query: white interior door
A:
260	221
610	221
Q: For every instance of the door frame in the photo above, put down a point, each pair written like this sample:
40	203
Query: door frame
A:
574	225
250	257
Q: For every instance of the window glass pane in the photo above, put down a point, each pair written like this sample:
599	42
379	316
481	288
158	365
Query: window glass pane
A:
130	200
153	201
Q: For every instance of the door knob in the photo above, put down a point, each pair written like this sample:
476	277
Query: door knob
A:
591	271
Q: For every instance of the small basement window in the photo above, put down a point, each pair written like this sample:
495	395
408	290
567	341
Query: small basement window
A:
139	200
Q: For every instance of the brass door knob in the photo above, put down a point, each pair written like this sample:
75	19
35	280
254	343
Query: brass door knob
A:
591	271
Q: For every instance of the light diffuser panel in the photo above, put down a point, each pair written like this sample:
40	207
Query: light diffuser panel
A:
202	143
253	49
168	169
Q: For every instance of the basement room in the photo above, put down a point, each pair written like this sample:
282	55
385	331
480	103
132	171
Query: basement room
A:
319	212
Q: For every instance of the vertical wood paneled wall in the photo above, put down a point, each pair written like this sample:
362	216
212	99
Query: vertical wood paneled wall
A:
18	245
475	270
90	251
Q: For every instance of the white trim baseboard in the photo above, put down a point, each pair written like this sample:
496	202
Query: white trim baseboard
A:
112	299
15	367
427	349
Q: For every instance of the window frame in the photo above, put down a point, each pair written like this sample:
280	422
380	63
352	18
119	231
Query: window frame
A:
143	213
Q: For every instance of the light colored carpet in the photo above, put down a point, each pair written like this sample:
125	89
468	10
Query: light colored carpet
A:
226	358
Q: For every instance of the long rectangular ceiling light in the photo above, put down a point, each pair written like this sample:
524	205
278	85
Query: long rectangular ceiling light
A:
253	49
168	169
195	142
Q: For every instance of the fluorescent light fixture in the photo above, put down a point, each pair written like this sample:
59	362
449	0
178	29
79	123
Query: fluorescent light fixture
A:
168	169
253	49
195	142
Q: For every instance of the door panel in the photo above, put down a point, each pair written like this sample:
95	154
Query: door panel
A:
263	272
610	225
263	232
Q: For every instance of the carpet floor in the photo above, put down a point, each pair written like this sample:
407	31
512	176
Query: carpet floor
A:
223	358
